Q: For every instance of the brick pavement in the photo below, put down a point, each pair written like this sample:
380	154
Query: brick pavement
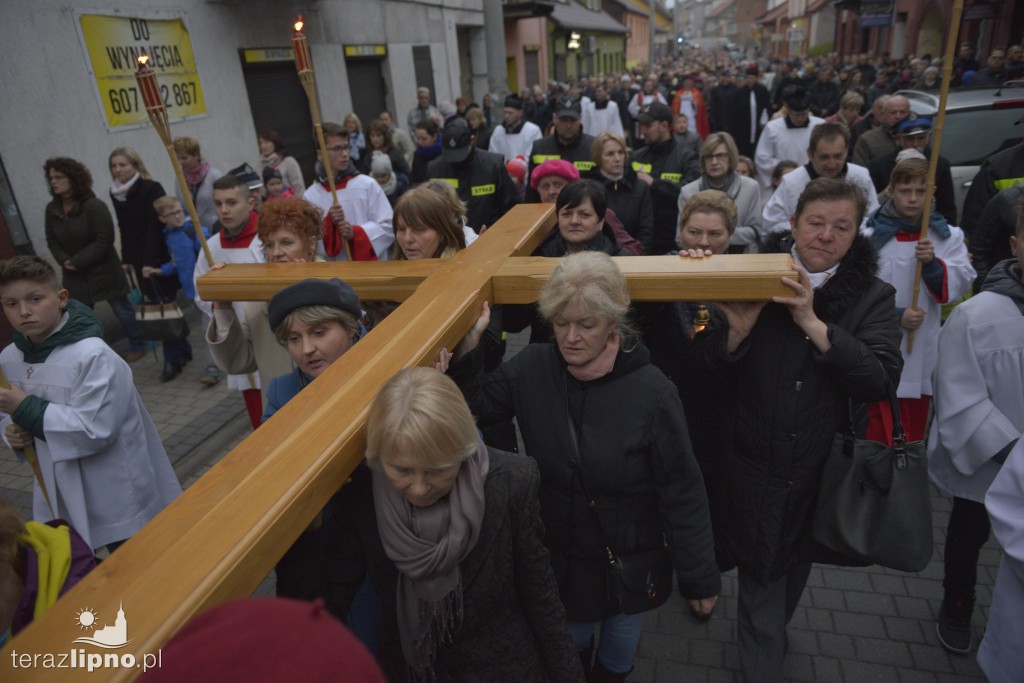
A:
852	625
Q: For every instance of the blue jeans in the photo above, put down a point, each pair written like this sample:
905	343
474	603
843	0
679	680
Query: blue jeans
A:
125	314
620	636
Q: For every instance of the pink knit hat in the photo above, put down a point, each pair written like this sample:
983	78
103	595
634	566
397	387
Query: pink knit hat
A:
554	167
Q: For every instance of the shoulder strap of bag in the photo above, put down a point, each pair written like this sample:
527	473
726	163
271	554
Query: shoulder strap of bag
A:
578	472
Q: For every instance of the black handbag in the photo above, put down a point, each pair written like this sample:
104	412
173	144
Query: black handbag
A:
636	582
160	321
873	499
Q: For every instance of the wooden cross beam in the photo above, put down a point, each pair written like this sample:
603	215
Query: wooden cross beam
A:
224	534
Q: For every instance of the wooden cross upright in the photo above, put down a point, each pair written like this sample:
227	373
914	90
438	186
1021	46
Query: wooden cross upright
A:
224	534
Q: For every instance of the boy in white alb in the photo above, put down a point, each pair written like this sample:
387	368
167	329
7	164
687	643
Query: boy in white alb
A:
946	274
235	241
362	218
73	400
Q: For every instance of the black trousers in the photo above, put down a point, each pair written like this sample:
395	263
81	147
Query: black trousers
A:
968	530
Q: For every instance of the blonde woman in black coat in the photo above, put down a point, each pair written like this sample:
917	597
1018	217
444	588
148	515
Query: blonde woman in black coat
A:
449	532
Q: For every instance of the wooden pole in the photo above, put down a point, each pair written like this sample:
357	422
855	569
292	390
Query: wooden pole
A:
31	456
933	162
304	65
146	78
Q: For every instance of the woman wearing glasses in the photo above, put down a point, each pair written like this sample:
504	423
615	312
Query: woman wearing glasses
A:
718	159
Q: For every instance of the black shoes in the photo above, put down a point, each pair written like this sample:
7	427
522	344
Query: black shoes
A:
171	370
954	626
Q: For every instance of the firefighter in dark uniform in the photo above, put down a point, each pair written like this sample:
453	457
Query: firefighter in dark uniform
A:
666	166
568	143
478	176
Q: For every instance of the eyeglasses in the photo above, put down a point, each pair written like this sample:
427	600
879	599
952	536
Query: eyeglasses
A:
338	149
171	214
717	157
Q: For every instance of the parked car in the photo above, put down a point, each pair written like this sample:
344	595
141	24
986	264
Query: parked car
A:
978	124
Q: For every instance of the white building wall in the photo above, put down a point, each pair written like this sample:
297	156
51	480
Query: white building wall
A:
49	105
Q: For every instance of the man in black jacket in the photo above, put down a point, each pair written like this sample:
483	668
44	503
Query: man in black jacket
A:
479	177
1000	171
990	242
666	166
568	143
917	134
747	113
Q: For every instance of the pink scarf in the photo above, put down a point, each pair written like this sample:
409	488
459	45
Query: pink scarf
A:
601	364
195	176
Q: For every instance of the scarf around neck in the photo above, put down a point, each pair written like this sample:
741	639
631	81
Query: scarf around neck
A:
427	544
195	176
885	223
730	185
601	364
119	191
432	152
817	279
272	159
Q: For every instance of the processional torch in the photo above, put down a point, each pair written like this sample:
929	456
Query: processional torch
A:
304	65
150	90
933	162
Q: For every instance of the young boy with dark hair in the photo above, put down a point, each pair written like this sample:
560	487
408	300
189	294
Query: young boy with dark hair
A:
184	246
234	241
946	274
74	400
362	216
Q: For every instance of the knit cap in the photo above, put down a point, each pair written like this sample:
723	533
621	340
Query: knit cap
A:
265	639
270	173
381	163
557	167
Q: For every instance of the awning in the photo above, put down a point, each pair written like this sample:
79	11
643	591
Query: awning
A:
573	15
773	16
815	5
720	9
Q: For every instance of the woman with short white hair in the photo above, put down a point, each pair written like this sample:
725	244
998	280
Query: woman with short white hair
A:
622	497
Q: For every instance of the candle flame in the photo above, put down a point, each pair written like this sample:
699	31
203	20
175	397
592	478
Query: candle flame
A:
143	60
299	24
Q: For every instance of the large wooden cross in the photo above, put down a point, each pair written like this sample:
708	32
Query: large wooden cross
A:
224	534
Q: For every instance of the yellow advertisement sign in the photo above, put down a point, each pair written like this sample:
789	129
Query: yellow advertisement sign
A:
113	45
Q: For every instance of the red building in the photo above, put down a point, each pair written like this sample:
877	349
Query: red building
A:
918	27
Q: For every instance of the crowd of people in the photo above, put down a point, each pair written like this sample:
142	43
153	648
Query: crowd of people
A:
669	440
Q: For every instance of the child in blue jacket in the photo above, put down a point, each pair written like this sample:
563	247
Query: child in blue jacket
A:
183	244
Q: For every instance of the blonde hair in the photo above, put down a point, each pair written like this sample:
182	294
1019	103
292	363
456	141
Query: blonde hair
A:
709	201
353	117
597	148
183	144
591	281
133	158
315	315
421	414
712	141
168	201
431	206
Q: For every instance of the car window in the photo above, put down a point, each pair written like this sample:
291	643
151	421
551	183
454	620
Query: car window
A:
972	136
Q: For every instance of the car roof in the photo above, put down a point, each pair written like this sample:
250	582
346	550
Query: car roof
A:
927	103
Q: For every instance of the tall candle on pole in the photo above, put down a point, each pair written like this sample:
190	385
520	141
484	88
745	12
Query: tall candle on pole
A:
304	65
933	162
150	91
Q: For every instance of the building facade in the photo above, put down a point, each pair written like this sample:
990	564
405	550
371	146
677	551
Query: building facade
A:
227	66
